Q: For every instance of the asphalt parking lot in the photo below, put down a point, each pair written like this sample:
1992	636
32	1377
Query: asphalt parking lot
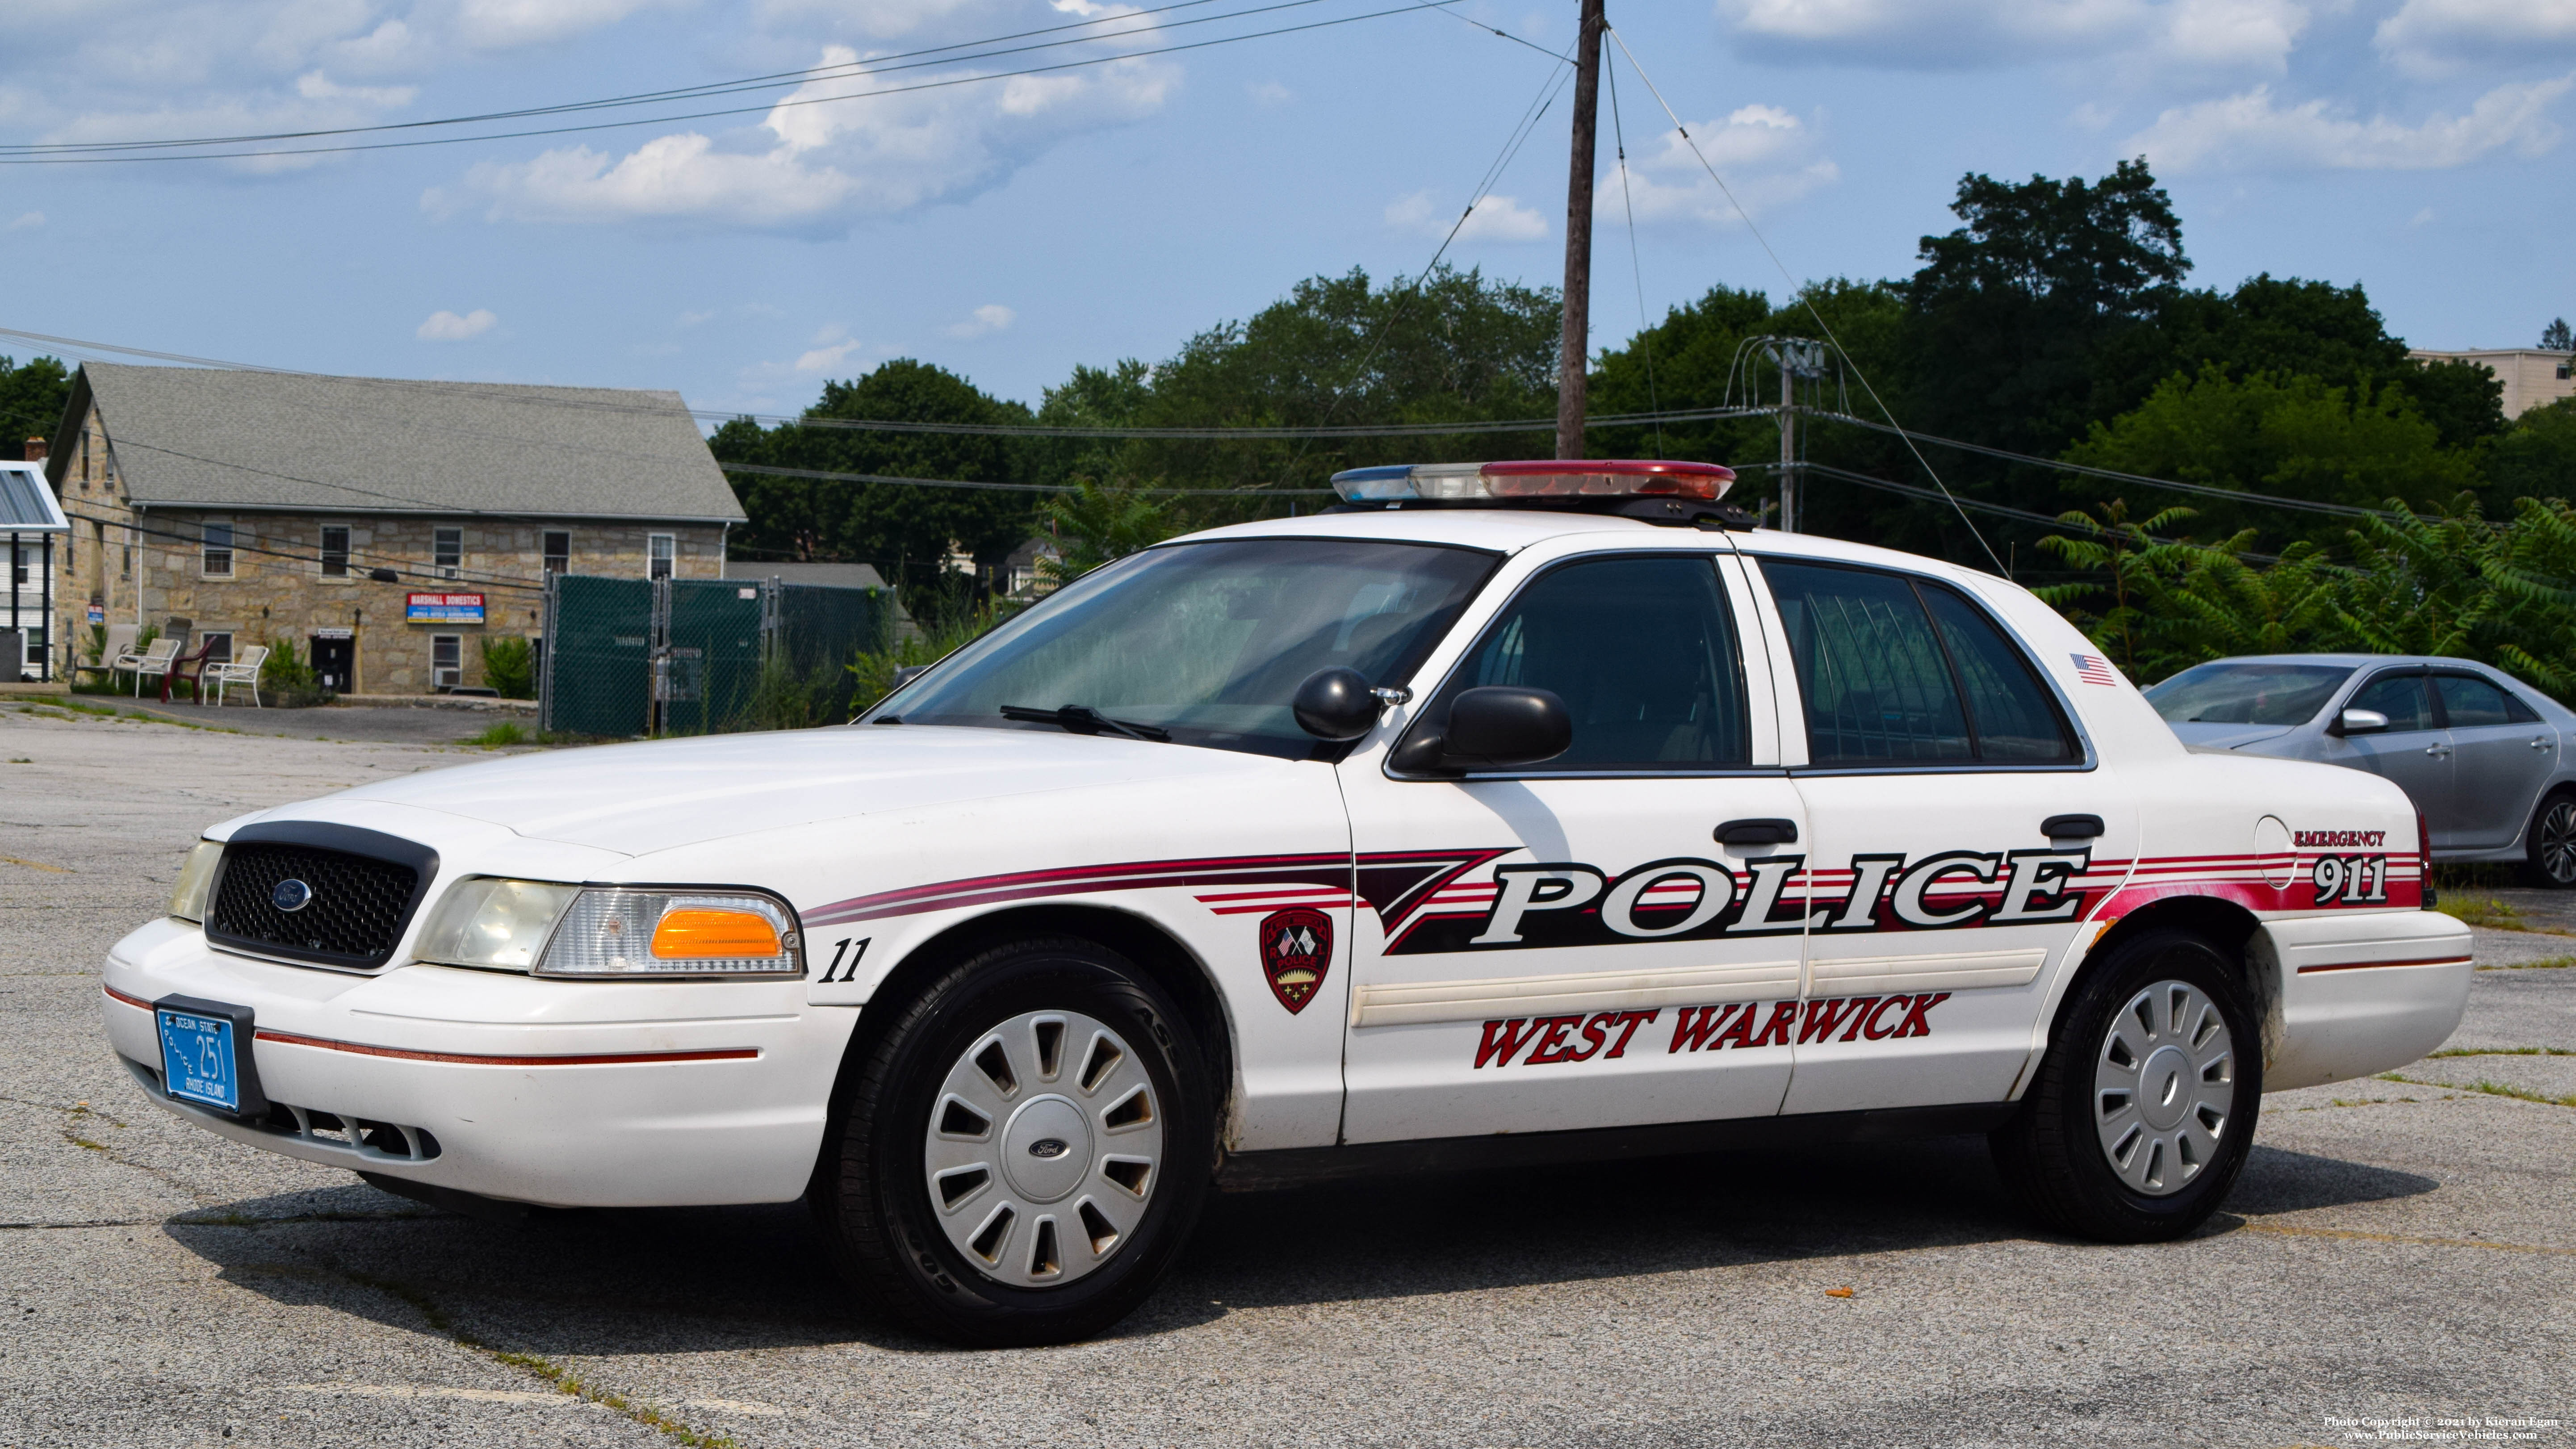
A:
2399	1253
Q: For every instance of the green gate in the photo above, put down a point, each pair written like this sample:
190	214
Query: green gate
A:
598	643
628	657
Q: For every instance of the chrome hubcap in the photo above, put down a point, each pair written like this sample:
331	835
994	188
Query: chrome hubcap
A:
2558	842
1043	1148
2164	1083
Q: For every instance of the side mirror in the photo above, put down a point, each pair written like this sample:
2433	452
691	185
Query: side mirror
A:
1335	704
1495	727
2358	722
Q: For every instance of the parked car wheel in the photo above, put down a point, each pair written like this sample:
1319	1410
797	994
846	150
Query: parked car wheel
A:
2552	848
1022	1152
2144	1108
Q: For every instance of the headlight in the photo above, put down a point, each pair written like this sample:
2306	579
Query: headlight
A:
188	897
496	924
611	932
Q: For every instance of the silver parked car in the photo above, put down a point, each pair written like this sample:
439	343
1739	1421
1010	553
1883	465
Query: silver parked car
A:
2482	754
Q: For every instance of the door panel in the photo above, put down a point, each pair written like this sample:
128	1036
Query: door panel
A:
2504	754
2414	751
1934	753
1569	947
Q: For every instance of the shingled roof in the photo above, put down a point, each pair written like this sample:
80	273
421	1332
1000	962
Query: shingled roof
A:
214	438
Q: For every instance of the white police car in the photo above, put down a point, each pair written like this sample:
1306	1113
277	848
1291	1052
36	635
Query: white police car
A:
1519	812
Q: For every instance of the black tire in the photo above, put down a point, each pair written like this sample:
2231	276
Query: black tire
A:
2056	1153
2549	853
874	1201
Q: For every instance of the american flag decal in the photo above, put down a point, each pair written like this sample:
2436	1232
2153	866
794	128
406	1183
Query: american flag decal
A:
2094	669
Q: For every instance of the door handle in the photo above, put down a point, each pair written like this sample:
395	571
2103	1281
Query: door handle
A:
2540	744
1757	832
2071	827
2437	751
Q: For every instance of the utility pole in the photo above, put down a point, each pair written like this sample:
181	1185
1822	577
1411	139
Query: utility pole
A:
1574	354
1788	450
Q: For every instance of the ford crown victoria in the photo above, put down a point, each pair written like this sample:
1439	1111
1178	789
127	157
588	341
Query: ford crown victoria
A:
1507	813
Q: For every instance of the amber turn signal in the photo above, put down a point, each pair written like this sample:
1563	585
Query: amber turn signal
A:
697	934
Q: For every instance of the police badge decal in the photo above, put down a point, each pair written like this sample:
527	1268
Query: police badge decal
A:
1296	951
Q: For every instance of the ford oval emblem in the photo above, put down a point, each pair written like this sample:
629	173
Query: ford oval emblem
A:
1047	1147
291	895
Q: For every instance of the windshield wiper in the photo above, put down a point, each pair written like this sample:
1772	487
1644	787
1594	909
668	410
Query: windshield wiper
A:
1082	719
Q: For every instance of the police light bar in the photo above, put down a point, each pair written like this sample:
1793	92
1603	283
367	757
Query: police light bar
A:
1536	478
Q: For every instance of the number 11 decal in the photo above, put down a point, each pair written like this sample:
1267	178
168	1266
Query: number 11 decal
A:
841	948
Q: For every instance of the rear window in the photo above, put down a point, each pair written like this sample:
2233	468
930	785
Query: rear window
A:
1896	670
2248	694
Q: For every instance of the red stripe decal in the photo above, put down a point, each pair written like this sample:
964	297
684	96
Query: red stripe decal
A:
601	1059
2369	965
116	995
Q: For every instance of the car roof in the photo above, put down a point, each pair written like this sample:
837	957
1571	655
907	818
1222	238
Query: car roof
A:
2358	660
1509	530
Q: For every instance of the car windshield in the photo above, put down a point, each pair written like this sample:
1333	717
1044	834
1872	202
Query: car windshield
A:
2248	694
1205	641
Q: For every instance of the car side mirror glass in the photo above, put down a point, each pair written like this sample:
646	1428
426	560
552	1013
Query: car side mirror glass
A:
1335	704
2358	722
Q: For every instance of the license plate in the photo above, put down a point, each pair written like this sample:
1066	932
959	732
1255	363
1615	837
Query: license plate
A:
198	1063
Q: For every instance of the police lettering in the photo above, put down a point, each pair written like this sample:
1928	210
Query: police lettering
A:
1552	1040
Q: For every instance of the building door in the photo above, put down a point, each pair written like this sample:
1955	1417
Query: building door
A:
1566	946
335	663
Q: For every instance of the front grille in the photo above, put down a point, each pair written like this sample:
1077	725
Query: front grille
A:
355	912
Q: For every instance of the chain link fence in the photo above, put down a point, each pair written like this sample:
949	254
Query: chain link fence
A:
628	657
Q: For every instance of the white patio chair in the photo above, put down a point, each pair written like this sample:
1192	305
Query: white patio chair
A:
241	669
153	658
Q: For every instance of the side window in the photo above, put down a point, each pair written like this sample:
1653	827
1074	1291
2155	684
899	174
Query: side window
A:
1642	650
2469	702
1894	672
2400	696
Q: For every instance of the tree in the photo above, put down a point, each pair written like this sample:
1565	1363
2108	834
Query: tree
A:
906	531
2291	436
2134	559
2536	458
32	399
2556	338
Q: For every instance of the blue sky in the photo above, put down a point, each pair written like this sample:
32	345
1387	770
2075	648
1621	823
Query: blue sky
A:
1011	228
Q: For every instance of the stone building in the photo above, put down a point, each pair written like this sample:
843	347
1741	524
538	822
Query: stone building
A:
385	528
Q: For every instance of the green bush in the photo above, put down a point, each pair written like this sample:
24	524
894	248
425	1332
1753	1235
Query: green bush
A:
510	666
284	671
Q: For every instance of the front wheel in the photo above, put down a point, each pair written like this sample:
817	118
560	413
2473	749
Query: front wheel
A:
2144	1108
1021	1154
2550	862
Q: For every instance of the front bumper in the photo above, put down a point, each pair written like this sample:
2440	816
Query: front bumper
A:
566	1093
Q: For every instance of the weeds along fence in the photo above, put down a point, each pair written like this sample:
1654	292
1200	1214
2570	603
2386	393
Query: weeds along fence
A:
696	656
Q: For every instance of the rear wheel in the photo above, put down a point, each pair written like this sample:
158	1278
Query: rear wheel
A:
1021	1154
2550	862
2144	1108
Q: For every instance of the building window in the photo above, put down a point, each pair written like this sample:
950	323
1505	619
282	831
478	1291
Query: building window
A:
335	553
659	549
558	552
447	551
446	660
218	558
218	645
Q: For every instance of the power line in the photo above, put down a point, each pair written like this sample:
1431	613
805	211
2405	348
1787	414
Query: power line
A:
480	580
98	160
871	65
1912	490
826	476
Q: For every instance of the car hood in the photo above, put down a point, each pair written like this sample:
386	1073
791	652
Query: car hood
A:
638	798
2228	736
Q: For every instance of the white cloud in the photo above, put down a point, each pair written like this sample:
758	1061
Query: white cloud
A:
984	321
2439	37
1270	93
506	24
823	161
25	221
2250	132
1980	34
448	327
833	345
1769	159
1496	218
